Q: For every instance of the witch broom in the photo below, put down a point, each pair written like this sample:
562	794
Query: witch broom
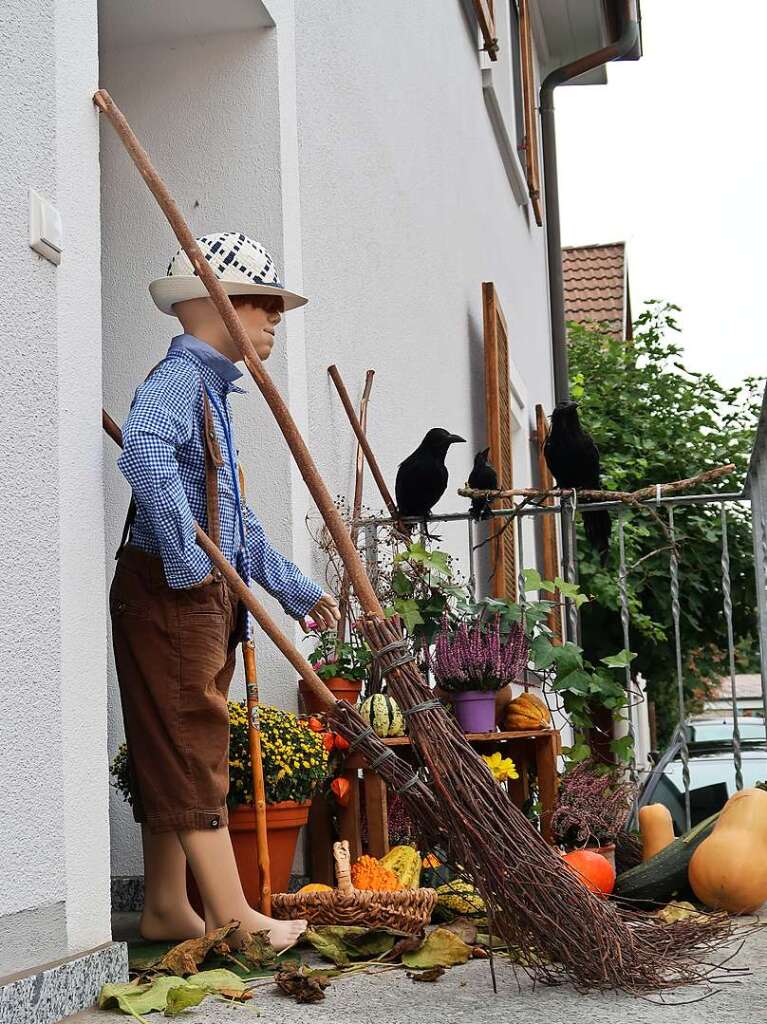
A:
558	928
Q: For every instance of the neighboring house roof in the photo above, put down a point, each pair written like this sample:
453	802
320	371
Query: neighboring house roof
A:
748	686
597	286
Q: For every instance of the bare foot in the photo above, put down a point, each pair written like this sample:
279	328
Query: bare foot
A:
177	925
282	934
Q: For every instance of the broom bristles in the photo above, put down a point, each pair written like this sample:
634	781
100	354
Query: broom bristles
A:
535	902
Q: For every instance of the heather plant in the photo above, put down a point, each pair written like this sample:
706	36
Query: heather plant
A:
478	656
593	805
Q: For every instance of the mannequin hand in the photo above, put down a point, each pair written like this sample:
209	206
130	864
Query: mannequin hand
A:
325	614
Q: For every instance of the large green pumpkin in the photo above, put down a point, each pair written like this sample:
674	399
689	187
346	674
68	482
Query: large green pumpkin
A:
383	713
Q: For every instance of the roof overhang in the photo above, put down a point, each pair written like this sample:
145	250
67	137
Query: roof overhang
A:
569	29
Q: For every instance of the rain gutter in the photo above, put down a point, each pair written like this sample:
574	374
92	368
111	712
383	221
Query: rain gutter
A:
622	47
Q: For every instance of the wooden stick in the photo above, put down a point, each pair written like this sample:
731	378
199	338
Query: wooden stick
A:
359	470
628	496
317	488
256	762
359	430
246	595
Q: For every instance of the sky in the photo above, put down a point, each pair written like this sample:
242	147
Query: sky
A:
671	156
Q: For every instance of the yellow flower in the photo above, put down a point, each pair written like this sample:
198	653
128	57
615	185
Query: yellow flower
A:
502	768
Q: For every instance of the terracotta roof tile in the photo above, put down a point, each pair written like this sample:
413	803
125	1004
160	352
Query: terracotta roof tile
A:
596	285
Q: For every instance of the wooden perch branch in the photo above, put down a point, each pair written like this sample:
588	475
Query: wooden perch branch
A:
627	496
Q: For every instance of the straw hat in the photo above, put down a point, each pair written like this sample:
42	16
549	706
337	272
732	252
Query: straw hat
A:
242	266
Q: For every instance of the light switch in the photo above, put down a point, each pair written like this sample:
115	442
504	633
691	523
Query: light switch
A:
46	232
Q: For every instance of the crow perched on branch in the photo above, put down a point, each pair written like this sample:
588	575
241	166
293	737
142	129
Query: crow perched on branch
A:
573	458
422	477
483	477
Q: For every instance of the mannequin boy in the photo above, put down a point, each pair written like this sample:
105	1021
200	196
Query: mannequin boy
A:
176	624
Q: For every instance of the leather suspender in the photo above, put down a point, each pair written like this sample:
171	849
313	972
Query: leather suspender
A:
213	459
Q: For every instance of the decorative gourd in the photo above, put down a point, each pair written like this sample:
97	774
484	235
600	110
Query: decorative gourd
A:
526	712
657	880
728	871
383	713
405	862
656	827
315	887
595	871
368	873
434	871
459	898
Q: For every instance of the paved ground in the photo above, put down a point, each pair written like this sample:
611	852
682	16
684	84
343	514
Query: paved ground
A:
465	994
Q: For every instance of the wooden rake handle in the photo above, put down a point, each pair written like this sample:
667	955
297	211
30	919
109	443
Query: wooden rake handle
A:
246	595
319	492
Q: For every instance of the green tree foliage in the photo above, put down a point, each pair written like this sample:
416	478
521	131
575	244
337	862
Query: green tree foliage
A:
656	421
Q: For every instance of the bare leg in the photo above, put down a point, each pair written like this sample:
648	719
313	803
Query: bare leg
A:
211	859
167	913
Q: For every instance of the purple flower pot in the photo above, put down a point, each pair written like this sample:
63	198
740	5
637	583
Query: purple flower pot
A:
475	710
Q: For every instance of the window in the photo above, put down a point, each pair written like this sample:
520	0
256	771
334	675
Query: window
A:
510	90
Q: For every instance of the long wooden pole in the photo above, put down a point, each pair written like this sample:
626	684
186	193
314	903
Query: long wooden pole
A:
359	476
362	440
321	495
246	595
256	762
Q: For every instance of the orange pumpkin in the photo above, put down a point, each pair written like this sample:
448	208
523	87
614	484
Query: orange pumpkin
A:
594	870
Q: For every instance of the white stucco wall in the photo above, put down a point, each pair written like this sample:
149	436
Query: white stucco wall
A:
54	886
406	209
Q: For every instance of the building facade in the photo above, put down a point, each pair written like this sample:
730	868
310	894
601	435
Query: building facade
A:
379	154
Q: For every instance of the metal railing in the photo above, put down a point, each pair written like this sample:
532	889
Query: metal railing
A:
756	493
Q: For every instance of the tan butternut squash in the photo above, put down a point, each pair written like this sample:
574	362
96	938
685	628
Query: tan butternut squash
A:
656	827
728	871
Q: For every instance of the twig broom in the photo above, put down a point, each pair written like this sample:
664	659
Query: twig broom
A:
534	901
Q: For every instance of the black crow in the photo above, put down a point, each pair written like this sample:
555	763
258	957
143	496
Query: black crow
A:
573	459
483	477
422	477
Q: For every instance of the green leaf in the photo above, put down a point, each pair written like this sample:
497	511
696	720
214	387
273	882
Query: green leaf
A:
410	613
440	949
329	944
137	1000
577	753
182	997
543	652
623	748
401	584
213	981
620	660
534	581
566	589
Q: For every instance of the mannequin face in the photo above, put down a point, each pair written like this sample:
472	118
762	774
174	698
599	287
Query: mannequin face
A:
260	322
259	314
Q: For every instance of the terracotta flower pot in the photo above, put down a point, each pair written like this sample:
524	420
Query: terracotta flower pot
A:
342	689
283	823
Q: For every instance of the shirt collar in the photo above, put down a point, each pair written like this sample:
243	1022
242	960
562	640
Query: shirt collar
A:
210	357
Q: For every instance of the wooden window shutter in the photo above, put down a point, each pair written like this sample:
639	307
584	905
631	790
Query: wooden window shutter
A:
548	525
486	18
532	162
498	419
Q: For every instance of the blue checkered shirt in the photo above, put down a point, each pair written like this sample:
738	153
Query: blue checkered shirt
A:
163	460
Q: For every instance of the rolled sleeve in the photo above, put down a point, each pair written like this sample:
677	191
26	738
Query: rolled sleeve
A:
161	419
278	575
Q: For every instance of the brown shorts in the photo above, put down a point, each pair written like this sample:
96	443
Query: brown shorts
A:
175	655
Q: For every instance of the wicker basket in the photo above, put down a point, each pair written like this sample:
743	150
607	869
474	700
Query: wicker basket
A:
406	910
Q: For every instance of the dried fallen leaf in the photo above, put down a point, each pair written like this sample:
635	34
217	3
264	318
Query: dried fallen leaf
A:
305	986
258	950
432	975
464	929
185	957
441	949
680	911
405	945
233	993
